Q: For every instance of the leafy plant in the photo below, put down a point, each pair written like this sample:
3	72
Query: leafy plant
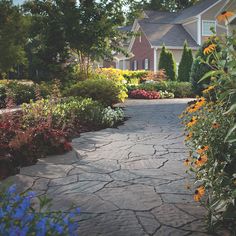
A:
103	90
167	63
18	217
185	64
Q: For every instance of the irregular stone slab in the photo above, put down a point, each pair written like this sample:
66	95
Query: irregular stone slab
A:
49	171
65	159
22	182
88	203
148	222
63	181
177	198
143	164
168	231
41	184
117	223
79	187
95	176
133	197
170	215
198	226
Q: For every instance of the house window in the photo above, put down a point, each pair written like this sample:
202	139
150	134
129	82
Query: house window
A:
146	64
135	65
207	25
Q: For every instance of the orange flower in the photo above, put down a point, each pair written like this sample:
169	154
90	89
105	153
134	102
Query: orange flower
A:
225	15
192	122
208	89
215	125
199	193
189	136
202	149
209	49
201	160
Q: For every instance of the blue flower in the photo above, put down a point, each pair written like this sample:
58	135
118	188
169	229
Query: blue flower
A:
11	189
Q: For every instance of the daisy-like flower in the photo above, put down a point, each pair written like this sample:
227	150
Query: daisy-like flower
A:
215	125
211	48
202	149
210	88
199	193
188	136
192	122
201	160
225	15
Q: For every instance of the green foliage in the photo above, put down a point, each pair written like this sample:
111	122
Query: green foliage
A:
200	68
216	128
179	89
20	92
13	36
103	90
167	63
185	64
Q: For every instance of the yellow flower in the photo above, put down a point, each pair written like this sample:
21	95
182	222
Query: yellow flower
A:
215	125
224	16
189	136
209	49
192	122
202	149
208	89
199	193
201	160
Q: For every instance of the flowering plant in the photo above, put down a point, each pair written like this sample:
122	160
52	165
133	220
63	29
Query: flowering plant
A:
112	117
211	136
143	94
18	217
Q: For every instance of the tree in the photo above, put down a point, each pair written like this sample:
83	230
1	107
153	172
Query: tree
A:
13	36
60	28
167	63
185	64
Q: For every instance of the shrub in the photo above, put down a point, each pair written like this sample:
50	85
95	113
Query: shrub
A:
112	117
185	64
102	90
165	94
142	94
18	217
200	68
155	76
167	63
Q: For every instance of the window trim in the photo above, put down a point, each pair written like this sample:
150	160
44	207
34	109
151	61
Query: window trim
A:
205	21
135	65
146	60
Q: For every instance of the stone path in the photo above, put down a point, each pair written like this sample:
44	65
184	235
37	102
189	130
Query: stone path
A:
128	181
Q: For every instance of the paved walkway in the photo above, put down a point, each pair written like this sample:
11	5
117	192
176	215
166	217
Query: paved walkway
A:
128	181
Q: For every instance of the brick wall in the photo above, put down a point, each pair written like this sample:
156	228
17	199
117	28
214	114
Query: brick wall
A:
142	50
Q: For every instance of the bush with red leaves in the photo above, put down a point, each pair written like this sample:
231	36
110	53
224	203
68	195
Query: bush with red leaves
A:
142	94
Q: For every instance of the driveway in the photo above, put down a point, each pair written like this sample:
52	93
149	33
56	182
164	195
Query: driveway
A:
128	181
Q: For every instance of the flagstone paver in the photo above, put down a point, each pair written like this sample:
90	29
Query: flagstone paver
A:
127	181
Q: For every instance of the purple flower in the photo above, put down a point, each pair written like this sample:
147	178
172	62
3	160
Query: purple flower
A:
11	189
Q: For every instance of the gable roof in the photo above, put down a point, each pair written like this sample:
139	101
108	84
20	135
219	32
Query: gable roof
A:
172	35
195	9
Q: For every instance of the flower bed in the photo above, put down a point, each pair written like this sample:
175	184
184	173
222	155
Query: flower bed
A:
143	94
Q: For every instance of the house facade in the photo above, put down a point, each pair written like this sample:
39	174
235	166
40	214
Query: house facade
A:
156	29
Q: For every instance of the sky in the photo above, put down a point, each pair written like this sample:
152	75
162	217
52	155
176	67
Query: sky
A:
18	1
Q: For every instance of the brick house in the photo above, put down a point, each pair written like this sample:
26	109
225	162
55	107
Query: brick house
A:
172	29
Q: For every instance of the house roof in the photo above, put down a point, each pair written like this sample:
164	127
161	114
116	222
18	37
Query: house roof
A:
172	35
161	17
195	10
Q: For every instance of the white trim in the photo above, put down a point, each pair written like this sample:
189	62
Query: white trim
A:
209	21
218	1
155	60
190	22
199	31
175	47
